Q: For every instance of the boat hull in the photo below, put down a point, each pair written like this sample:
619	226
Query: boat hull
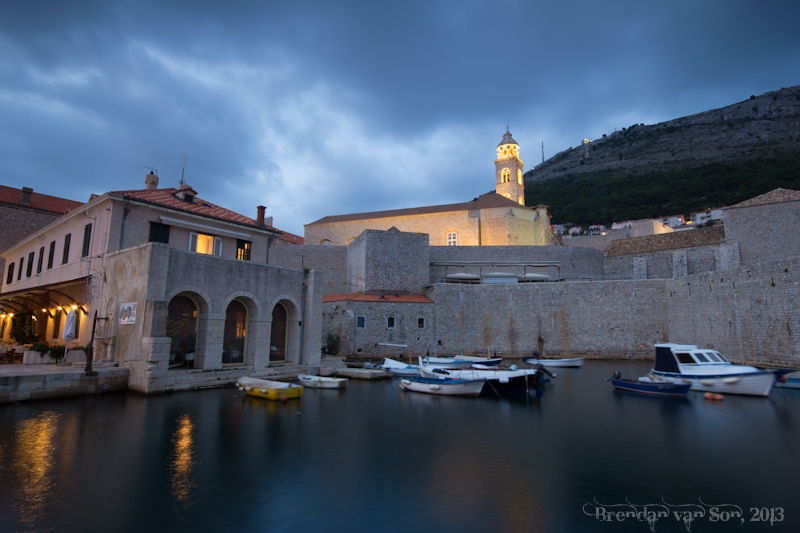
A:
444	387
269	390
499	383
789	381
747	384
656	388
575	362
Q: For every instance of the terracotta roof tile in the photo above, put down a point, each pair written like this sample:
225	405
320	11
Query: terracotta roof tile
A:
773	197
667	241
485	201
381	297
41	202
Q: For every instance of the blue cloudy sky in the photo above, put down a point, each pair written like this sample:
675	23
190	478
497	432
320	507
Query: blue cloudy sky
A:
322	107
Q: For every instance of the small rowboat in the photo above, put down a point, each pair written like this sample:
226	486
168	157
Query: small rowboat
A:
322	382
270	390
446	387
645	385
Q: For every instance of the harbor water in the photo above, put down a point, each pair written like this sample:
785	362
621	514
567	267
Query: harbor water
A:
581	457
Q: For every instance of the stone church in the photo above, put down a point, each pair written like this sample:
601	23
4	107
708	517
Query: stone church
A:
493	219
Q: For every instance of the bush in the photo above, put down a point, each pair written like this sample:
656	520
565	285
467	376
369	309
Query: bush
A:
57	352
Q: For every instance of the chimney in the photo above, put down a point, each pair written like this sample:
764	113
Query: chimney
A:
26	195
260	217
151	181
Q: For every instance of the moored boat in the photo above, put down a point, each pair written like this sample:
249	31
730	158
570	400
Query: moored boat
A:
268	389
322	382
445	387
789	380
517	383
709	371
399	368
444	362
573	362
646	385
475	360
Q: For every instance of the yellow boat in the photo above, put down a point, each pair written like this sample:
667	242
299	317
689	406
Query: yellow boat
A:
270	390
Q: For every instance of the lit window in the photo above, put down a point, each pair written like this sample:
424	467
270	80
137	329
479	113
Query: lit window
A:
519	176
505	175
452	239
205	244
242	250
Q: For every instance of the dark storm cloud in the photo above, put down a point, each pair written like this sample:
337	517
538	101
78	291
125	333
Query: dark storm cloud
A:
318	107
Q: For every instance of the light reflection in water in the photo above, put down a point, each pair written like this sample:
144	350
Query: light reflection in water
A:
182	461
32	466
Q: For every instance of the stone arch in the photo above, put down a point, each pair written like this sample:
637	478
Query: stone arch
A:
242	314
186	328
284	330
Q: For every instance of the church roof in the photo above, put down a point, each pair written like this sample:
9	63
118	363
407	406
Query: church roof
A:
773	197
507	139
484	201
667	241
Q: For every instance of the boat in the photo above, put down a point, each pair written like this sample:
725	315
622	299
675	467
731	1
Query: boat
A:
444	362
487	361
270	390
709	371
517	383
322	382
445	387
574	362
789	380
399	368
646	385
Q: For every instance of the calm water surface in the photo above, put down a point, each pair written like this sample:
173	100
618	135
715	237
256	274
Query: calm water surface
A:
375	458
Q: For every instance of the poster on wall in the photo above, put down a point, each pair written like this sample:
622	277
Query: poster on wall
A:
127	313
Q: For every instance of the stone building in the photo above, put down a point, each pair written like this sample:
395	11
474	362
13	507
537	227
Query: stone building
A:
494	219
172	286
23	211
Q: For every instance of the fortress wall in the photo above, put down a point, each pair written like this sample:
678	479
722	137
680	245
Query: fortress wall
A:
575	263
749	227
749	313
330	260
612	318
663	264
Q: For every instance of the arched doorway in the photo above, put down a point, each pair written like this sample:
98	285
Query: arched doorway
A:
182	329
277	342
235	335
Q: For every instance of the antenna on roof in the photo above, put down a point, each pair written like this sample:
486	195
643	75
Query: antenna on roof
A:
153	170
184	168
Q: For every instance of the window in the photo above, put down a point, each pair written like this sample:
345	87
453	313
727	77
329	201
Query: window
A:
242	250
29	270
452	239
56	323
19	272
65	255
505	175
390	322
159	232
52	255
420	322
41	260
87	239
519	176
205	244
360	321
10	276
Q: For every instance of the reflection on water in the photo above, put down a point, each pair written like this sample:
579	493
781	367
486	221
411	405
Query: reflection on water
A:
373	457
182	460
32	463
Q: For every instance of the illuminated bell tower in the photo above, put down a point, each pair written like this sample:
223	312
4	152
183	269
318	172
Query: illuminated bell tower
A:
508	170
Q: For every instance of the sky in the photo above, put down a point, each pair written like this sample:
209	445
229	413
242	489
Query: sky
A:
318	107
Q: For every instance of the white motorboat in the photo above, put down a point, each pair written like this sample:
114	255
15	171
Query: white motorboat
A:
444	362
322	382
446	387
499	383
709	371
475	360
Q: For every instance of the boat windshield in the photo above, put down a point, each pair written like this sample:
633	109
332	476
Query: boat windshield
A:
721	357
685	358
713	357
701	358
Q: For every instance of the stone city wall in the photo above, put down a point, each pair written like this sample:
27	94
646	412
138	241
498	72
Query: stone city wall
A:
751	228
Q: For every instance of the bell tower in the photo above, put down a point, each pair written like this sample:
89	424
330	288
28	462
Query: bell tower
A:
508	170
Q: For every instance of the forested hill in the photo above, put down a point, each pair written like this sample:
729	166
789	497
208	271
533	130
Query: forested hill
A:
711	159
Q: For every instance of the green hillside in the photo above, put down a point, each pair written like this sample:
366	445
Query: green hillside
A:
610	196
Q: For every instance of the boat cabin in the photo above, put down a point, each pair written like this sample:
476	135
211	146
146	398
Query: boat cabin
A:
669	356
